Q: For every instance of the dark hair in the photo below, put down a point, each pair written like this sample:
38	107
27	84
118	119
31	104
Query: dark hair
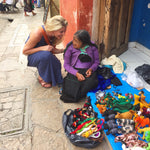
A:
84	37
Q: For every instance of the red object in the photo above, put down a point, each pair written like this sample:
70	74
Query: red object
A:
80	126
79	14
141	122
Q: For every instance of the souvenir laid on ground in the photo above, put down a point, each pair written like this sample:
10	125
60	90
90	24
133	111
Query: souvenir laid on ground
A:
126	112
82	127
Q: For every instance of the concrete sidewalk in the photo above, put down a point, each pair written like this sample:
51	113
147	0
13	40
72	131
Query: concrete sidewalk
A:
30	115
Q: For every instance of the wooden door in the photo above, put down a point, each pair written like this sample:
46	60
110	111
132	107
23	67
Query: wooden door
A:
111	25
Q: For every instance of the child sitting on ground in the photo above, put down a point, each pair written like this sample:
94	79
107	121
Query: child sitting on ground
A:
81	60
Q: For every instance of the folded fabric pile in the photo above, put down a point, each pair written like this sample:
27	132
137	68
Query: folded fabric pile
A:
116	64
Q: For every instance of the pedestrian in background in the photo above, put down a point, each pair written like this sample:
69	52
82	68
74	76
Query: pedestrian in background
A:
38	3
29	7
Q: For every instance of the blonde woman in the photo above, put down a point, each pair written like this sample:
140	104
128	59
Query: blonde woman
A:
40	48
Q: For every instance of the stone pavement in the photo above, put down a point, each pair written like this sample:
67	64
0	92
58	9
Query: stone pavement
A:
30	115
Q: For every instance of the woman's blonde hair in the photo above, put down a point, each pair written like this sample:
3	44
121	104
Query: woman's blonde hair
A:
55	23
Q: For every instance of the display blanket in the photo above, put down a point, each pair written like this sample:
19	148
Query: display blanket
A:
123	89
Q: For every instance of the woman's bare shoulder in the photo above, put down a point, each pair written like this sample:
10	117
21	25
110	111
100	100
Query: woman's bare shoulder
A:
36	33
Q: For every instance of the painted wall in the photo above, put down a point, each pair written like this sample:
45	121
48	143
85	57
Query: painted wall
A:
140	27
85	15
79	15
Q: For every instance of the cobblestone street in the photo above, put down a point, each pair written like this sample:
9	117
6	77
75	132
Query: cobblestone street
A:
30	116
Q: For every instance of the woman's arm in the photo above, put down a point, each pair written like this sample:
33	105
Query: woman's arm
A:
96	61
34	38
67	62
57	51
69	68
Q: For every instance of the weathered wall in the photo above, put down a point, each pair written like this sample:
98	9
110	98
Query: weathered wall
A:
68	9
79	15
85	14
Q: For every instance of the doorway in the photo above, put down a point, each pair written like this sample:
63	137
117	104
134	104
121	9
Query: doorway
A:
111	25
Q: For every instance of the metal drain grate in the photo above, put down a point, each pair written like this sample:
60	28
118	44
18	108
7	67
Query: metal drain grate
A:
13	111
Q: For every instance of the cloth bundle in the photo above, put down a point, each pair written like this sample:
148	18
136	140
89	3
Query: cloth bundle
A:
115	62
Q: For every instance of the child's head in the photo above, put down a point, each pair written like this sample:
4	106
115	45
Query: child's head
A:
81	38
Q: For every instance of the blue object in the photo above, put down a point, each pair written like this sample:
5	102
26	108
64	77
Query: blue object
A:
38	3
111	67
124	65
108	66
125	88
140	31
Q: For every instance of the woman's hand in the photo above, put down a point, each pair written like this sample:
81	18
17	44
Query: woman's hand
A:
80	76
88	73
47	48
57	51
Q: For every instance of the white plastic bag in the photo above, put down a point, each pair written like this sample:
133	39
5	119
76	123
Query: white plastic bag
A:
132	78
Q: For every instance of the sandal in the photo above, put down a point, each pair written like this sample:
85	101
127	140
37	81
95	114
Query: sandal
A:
43	83
40	79
46	85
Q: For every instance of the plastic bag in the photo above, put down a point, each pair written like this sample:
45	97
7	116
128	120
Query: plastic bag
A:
133	79
77	140
144	72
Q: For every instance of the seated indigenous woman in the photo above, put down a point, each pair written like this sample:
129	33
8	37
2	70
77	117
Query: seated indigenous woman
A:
40	48
81	60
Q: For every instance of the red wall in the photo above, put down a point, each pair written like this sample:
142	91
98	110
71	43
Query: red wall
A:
79	15
85	14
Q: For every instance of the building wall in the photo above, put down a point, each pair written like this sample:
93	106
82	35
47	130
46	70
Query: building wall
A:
79	15
140	27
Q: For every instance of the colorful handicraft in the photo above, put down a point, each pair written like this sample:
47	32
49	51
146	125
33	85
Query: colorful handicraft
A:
144	130
86	123
140	121
101	108
126	121
141	99
126	115
130	140
126	137
132	148
147	136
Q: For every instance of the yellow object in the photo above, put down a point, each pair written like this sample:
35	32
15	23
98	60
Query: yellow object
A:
141	100
120	96
126	115
92	129
144	130
101	108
